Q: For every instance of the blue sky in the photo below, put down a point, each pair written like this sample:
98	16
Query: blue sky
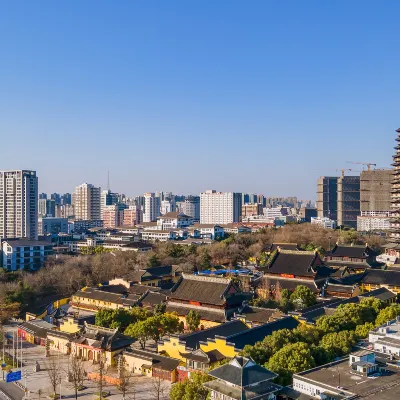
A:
255	96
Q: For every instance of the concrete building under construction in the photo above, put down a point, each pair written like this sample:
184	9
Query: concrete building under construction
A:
375	187
327	197
348	201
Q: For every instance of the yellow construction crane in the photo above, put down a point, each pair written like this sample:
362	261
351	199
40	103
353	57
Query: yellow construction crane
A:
368	164
344	170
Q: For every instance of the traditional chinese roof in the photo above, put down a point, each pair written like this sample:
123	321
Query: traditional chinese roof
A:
154	360
355	251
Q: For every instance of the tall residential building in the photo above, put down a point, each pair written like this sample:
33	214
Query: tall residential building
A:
191	207
220	207
113	216
18	204
56	197
327	197
66	199
152	205
394	248
86	202
250	209
348	203
42	196
108	198
251	198
133	215
46	208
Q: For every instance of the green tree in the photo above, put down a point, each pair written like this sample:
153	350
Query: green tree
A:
374	303
303	297
339	343
160	308
290	359
387	314
205	260
190	389
259	353
193	320
142	331
307	333
362	331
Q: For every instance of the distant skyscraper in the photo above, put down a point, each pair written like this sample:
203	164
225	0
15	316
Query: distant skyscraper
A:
46	208
18	204
220	208
249	198
327	197
108	198
66	199
191	207
56	197
348	205
43	196
86	202
152	206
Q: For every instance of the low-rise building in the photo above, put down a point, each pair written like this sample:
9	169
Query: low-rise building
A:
325	222
174	220
242	379
52	226
386	338
355	376
151	364
373	221
82	226
210	231
28	254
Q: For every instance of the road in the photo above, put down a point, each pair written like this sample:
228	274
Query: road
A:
11	390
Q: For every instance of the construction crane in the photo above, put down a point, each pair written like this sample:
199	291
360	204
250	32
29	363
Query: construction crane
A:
344	170
368	164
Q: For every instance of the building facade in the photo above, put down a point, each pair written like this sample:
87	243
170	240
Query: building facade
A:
348	201
86	202
325	222
53	226
108	198
18	204
191	207
152	207
327	197
250	209
113	215
220	207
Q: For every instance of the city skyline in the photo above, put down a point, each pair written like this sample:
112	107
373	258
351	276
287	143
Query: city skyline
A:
262	98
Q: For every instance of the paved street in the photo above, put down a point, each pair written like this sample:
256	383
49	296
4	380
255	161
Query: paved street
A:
35	381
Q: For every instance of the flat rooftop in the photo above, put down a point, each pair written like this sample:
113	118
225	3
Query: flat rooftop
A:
384	386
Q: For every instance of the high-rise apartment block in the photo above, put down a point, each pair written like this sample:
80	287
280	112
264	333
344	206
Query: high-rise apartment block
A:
327	197
348	205
191	207
250	209
152	205
46	208
108	198
86	202
220	207
394	249
132	216
113	216
18	204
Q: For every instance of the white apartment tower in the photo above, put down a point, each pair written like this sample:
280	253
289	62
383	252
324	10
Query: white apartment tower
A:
18	204
220	207
86	202
152	204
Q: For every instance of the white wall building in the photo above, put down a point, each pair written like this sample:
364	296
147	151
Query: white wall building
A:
174	220
373	221
86	202
18	204
220	207
191	207
152	206
275	212
324	221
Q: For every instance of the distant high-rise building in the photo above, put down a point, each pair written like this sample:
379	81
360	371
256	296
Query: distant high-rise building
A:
348	201
42	196
56	197
249	198
113	216
375	190
394	248
18	204
220	207
327	197
152	205
108	198
86	202
249	209
191	207
46	208
133	215
66	199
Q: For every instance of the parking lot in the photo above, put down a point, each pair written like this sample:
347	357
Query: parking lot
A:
39	386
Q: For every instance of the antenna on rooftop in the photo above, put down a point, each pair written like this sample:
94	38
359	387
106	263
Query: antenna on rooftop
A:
108	179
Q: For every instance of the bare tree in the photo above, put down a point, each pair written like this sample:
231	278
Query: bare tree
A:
100	378
158	389
77	374
126	383
54	373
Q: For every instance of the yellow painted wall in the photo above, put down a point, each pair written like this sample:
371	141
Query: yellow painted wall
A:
172	347
59	344
81	302
69	325
221	346
134	365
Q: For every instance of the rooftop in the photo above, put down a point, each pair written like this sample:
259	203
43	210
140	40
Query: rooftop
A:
354	251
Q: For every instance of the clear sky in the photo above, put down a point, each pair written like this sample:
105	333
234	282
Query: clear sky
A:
257	96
